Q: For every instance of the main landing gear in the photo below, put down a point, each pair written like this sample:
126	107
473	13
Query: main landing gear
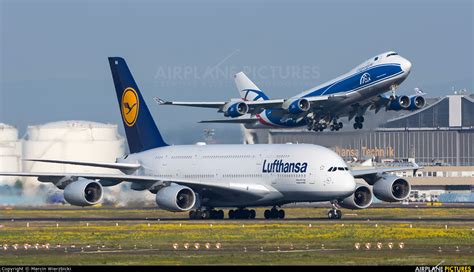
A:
274	213
358	122
242	214
334	213
316	126
206	214
336	125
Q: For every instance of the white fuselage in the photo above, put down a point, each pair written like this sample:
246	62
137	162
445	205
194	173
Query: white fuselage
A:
278	174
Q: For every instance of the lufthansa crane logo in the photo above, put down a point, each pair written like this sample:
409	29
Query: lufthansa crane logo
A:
130	106
365	78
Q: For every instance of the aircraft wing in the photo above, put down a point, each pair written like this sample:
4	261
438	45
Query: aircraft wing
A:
232	121
215	105
63	179
115	165
254	106
370	174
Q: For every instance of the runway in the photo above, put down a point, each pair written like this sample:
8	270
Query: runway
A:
259	221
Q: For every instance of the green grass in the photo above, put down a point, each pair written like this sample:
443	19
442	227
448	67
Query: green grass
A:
154	240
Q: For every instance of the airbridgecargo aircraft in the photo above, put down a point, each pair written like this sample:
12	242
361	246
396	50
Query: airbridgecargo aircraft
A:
349	95
202	179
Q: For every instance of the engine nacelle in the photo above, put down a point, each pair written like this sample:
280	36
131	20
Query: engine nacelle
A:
416	102
296	106
399	103
235	109
360	199
83	192
391	188
176	198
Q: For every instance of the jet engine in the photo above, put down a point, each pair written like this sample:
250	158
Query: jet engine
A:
399	103
296	106
83	192
416	102
176	198
360	199
391	188
235	109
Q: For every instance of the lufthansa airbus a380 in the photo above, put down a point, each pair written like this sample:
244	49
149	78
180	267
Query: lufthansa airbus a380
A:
200	179
349	95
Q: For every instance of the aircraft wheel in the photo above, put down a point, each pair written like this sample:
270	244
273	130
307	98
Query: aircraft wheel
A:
252	214
360	125
281	214
357	119
231	214
356	125
192	215
361	119
340	124
331	214
338	214
220	214
267	214
205	214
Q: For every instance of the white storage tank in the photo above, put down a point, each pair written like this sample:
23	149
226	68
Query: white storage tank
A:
71	140
10	153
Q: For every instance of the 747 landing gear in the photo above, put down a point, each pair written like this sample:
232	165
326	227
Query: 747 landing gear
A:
334	213
358	122
335	125
274	213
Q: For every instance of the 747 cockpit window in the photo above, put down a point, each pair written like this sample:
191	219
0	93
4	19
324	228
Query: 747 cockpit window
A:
392	54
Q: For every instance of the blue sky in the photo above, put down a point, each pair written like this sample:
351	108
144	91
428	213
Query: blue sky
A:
54	53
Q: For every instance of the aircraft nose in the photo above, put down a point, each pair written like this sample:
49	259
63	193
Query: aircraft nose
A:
348	185
406	65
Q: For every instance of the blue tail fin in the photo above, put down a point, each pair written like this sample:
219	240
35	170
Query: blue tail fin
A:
142	133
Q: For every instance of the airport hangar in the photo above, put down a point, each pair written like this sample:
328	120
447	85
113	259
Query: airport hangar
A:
439	137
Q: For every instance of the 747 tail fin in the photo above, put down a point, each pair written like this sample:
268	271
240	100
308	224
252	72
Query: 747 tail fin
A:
247	89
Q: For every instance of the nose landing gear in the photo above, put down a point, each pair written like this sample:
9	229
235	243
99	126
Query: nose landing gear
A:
334	213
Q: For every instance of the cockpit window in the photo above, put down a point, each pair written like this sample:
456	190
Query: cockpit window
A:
392	54
334	169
